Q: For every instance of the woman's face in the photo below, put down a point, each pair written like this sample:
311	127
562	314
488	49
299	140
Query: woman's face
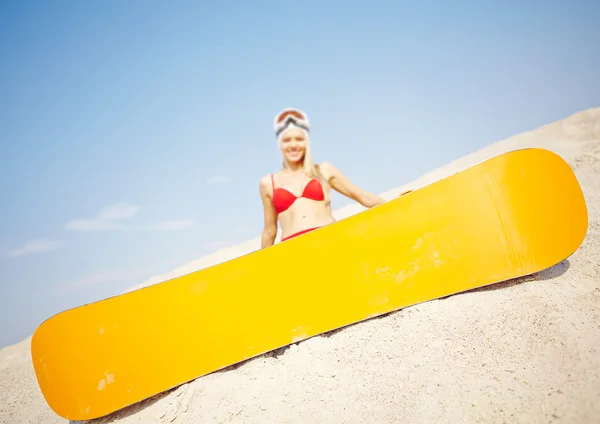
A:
293	144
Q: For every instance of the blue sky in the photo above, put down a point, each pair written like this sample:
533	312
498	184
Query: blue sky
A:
134	133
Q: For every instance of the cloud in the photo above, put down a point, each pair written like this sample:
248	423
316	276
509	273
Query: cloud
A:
118	275
103	278
176	225
92	225
36	246
118	211
108	220
218	179
104	220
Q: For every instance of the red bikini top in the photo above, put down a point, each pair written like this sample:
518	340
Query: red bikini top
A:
283	199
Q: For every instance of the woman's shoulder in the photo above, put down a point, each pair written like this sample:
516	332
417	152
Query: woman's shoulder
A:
327	169
323	166
266	181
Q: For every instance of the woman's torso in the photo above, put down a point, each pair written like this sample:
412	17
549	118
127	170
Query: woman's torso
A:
301	202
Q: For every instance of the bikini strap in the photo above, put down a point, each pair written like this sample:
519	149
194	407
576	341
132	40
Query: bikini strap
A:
272	182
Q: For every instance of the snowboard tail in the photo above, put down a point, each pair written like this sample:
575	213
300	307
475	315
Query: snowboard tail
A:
509	216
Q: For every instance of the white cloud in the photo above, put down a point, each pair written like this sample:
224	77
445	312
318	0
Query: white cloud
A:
176	225
108	220
92	225
36	246
118	211
118	275
102	278
104	220
218	179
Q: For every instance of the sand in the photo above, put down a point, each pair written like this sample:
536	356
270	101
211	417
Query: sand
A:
524	351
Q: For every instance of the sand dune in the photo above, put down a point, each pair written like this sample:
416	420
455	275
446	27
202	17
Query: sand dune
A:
527	350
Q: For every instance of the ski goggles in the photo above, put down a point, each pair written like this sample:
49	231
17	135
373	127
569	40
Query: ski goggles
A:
290	117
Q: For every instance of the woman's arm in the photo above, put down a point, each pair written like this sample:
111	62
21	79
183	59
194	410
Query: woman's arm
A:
270	218
343	185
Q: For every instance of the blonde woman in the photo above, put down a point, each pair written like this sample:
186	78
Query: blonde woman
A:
298	196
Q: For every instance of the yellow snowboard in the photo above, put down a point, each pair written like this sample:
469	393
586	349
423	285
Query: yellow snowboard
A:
512	215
